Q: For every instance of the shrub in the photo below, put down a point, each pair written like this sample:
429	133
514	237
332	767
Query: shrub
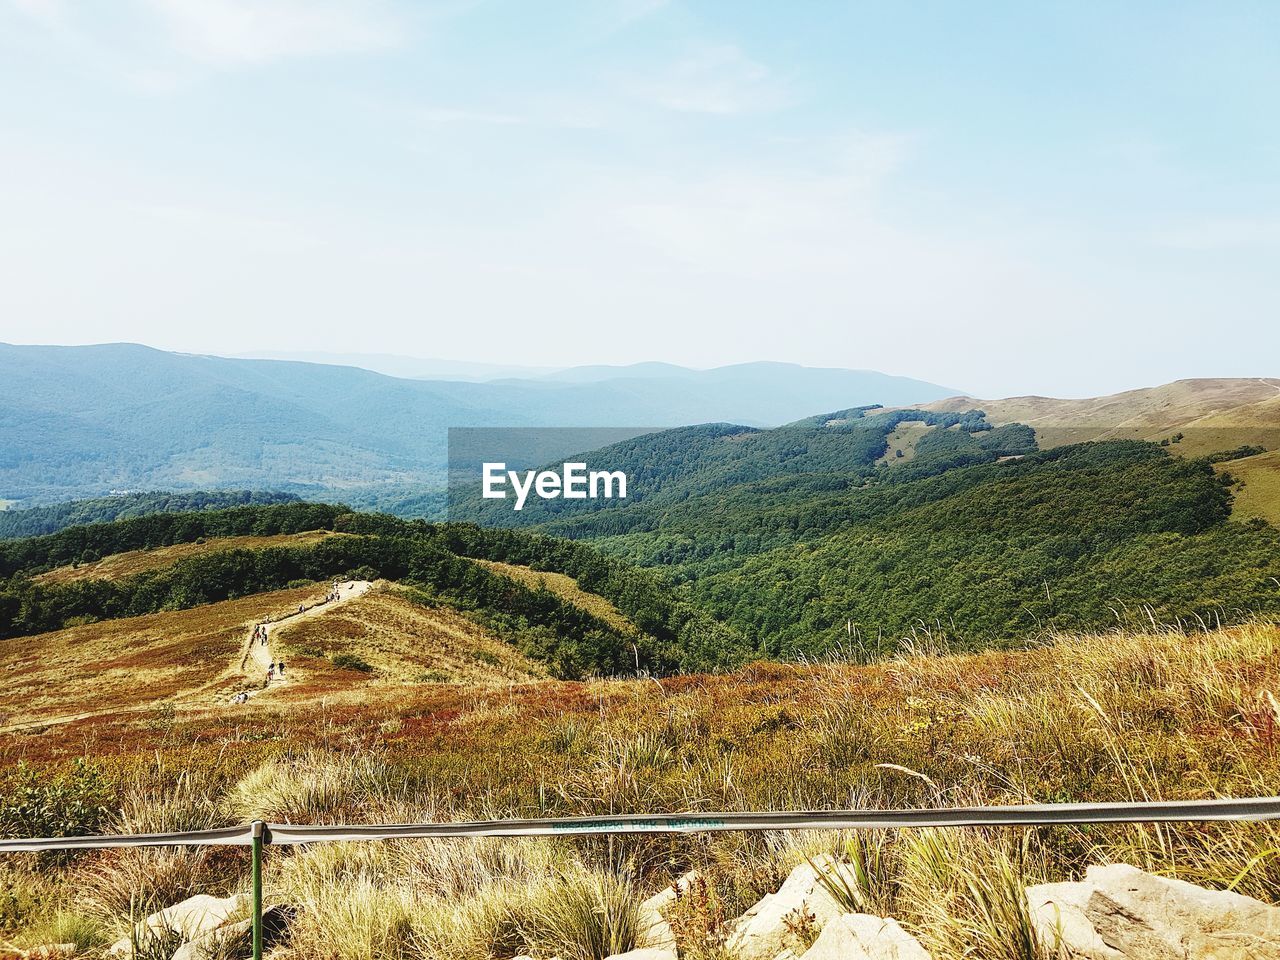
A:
66	927
68	804
349	661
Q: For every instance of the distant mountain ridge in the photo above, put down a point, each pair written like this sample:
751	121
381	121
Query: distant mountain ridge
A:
1211	413
82	421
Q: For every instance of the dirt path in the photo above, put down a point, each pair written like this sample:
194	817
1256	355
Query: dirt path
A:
250	664
258	658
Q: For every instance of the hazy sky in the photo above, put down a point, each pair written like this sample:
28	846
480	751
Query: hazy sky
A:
1004	197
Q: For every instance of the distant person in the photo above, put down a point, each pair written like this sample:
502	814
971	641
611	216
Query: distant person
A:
280	669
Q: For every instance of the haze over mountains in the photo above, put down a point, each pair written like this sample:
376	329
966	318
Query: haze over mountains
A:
81	421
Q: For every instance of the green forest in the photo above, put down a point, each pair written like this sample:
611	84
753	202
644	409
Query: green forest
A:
35	521
745	543
436	560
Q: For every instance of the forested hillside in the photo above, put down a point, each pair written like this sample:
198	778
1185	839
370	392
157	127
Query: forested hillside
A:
848	447
40	520
818	541
438	562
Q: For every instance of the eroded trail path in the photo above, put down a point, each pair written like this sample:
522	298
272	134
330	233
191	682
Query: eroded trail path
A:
258	658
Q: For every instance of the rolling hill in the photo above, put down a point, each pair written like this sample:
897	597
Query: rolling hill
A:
808	537
1211	414
1195	418
84	421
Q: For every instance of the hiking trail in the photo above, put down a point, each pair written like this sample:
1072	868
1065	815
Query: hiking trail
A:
258	658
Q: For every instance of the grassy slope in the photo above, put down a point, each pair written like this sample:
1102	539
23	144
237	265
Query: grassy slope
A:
1112	717
1214	414
182	657
1257	492
566	588
189	659
127	564
403	641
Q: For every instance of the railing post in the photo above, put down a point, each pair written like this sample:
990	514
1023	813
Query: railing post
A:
259	831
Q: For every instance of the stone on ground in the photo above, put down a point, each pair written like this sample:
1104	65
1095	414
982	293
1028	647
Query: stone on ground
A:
863	936
655	931
189	919
763	932
1121	913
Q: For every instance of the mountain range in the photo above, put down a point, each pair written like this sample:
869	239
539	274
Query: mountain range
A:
88	420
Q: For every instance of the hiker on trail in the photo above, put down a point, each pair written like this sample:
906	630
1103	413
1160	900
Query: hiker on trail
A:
271	673
280	669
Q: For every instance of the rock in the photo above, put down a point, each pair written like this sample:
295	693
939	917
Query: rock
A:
762	933
275	924
862	936
645	953
1121	913
1151	917
655	930
198	914
1058	915
190	918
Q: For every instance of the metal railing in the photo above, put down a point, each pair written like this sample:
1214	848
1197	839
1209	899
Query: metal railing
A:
258	835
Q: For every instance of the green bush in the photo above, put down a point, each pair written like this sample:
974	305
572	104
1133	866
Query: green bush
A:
74	803
349	661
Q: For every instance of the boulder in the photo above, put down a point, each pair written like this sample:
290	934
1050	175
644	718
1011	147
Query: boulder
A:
655	931
190	918
1121	913
645	953
275	923
1142	915
1058	915
862	936
762	932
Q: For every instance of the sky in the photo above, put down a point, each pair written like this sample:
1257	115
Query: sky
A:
1007	198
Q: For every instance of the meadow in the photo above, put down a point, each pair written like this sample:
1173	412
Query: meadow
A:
1162	714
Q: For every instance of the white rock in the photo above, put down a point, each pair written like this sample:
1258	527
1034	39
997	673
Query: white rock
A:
1058	913
862	936
645	953
761	933
1154	918
191	918
655	931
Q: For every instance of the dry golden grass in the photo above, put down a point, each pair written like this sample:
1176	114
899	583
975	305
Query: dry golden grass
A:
566	588
120	565
184	658
1214	414
403	641
1125	715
